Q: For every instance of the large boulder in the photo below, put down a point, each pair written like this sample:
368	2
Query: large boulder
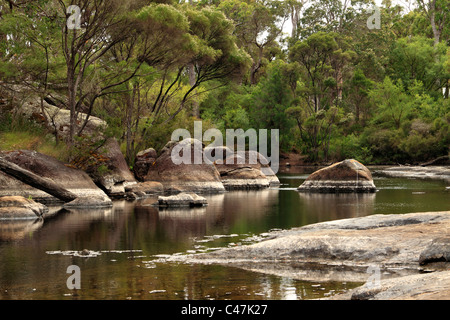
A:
262	164
57	119
346	176
17	207
236	173
184	177
247	170
73	180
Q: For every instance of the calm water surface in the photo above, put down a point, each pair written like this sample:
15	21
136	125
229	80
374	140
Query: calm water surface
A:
127	239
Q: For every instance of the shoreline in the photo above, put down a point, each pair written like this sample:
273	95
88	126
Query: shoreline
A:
402	248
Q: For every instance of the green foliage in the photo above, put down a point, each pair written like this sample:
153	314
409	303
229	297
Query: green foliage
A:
18	133
334	88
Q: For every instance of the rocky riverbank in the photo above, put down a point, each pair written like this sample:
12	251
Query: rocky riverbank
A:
418	172
397	246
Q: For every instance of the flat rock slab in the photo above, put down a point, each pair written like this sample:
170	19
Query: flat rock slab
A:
343	250
428	286
89	203
16	207
181	200
418	172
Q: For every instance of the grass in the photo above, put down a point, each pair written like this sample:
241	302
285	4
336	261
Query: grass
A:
26	135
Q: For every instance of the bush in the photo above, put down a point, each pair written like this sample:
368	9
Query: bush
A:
349	147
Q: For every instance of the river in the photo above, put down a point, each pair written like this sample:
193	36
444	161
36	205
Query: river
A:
126	243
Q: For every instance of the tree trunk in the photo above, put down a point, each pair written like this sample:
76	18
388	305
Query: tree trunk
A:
436	31
36	181
72	104
192	80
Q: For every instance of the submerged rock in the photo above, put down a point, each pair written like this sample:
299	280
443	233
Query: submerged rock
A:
182	200
17	207
17	229
342	177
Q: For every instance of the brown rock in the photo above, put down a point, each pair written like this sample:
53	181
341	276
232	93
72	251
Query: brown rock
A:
185	177
346	176
75	181
142	163
147	187
118	176
16	207
236	173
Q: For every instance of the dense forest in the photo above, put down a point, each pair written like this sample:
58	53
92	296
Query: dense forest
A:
339	78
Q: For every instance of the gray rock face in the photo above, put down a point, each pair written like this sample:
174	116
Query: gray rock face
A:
342	177
182	200
399	246
57	119
16	207
75	181
429	286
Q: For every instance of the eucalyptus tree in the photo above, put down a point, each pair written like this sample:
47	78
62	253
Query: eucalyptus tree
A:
322	58
438	13
258	28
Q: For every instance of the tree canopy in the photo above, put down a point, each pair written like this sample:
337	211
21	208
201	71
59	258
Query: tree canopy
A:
313	69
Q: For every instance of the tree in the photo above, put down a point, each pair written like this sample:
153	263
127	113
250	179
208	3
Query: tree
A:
393	104
358	93
437	12
268	101
258	25
416	58
212	51
104	24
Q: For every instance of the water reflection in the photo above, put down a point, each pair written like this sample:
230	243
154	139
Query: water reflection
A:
338	206
28	272
11	230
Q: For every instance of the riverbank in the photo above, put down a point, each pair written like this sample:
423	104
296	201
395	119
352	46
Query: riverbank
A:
395	246
417	172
